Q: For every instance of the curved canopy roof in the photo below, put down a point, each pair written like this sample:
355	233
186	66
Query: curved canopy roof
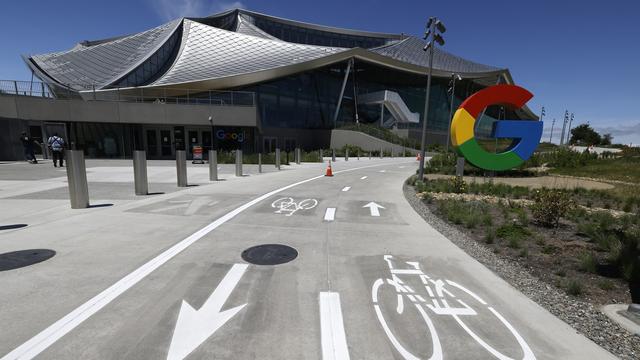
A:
236	48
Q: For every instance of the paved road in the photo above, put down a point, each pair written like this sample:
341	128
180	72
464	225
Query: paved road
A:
163	278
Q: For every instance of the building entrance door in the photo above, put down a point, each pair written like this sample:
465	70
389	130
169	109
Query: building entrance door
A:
158	142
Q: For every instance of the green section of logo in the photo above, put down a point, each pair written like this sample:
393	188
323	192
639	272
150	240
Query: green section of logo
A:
477	156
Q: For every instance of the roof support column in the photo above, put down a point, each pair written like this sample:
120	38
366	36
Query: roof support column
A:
344	85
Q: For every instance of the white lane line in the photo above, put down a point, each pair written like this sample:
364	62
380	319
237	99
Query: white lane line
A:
330	214
37	344
383	171
362	178
346	188
334	340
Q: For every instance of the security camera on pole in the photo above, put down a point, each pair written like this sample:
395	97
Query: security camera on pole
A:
435	29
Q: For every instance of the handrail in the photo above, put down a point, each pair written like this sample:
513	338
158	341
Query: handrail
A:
382	134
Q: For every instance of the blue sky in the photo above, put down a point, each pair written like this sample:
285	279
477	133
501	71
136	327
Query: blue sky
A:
577	55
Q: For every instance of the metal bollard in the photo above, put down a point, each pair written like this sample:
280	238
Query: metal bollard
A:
77	178
333	155
141	183
238	162
298	156
278	159
459	166
213	165
346	154
393	152
381	153
320	154
369	155
358	154
181	167
259	162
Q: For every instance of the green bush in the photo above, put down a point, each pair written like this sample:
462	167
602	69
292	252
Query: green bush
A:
489	236
574	287
458	185
549	206
512	232
588	262
605	285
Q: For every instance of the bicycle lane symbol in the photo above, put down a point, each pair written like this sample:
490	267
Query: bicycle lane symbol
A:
441	298
288	206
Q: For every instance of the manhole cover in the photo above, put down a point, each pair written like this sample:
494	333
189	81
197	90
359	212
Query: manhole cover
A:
22	258
270	254
11	227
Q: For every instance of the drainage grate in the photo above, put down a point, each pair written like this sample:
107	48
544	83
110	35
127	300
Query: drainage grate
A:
22	258
269	254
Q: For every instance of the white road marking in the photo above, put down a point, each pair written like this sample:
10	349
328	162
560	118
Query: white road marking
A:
37	344
364	177
330	214
195	326
382	171
346	188
334	340
374	208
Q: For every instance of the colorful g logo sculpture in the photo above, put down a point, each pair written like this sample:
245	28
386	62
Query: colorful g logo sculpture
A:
526	133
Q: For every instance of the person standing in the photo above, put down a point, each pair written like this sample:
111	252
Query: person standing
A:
56	145
27	144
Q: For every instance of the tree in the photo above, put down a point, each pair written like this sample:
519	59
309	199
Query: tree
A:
606	139
584	135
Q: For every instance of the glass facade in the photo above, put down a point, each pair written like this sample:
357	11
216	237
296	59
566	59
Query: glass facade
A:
302	35
308	100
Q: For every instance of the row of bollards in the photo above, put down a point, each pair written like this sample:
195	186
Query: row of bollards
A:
77	173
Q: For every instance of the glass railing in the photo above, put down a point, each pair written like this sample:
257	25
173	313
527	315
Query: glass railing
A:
158	95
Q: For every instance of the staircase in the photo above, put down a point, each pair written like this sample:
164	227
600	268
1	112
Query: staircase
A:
394	103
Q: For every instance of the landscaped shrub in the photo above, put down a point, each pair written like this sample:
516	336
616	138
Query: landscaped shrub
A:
574	287
458	185
588	262
550	206
512	232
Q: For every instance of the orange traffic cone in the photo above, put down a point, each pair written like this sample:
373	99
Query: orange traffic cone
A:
329	172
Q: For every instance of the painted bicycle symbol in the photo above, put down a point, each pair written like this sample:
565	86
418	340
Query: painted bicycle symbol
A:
289	206
441	298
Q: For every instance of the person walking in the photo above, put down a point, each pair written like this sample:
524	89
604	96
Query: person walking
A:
27	144
56	145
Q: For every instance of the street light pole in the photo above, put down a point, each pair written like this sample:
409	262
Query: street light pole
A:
564	126
569	131
212	134
453	90
433	27
552	124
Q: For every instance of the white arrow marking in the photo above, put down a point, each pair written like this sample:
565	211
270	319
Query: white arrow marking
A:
195	326
346	188
374	208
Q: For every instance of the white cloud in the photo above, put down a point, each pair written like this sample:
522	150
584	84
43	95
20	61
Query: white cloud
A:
173	9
